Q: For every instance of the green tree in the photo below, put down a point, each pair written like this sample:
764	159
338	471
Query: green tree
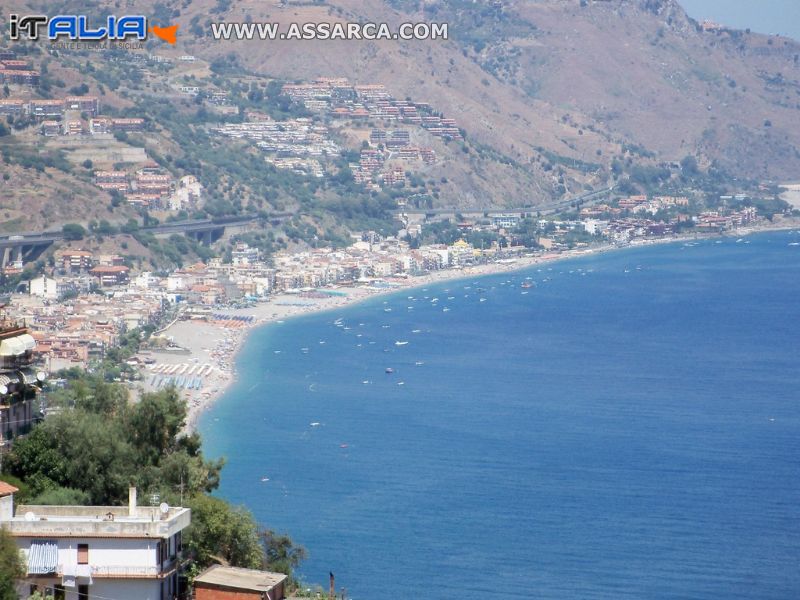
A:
689	167
99	445
61	496
73	231
222	533
155	422
281	554
11	566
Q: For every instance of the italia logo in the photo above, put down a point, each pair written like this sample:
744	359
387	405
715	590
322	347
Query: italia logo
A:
77	27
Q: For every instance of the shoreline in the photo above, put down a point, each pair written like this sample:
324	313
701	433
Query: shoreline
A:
213	346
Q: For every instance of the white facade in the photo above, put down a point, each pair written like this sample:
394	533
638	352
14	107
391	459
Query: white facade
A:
76	552
594	226
44	287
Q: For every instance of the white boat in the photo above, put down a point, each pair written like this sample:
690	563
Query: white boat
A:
400	343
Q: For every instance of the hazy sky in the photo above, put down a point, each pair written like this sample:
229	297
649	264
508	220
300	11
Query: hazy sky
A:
764	16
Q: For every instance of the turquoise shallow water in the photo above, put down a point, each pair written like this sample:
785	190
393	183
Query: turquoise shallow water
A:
628	428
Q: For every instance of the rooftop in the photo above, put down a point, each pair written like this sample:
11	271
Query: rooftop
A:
238	578
7	488
130	521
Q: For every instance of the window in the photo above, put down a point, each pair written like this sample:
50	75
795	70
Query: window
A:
83	554
58	592
33	589
83	592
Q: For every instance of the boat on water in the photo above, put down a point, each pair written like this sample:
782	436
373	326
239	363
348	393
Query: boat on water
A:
445	309
400	343
389	370
527	284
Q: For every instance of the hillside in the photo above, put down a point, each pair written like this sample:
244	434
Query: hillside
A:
551	97
535	73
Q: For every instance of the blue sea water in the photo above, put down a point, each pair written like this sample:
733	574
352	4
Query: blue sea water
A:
628	428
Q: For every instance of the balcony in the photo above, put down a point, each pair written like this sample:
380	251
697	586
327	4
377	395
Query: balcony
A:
119	571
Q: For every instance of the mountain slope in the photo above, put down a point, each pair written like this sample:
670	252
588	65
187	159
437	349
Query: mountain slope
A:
534	73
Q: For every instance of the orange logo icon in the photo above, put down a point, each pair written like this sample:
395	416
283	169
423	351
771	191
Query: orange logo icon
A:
168	34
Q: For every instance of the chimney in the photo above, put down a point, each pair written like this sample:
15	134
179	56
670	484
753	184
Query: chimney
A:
131	501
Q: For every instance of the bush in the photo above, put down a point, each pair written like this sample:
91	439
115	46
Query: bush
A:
73	231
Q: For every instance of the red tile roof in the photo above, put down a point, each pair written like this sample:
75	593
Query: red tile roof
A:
7	488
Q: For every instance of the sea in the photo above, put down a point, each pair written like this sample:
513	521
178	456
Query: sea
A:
621	425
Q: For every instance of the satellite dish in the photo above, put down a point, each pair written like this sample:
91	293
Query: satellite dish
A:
164	508
3	389
41	375
29	516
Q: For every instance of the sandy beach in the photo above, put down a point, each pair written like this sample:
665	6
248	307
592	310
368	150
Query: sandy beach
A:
210	346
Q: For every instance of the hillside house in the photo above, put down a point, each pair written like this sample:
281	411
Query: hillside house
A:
232	583
76	552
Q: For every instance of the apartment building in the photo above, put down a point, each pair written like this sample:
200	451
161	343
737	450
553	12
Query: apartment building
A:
20	378
76	261
87	104
82	552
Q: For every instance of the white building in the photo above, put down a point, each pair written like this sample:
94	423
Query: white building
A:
77	552
44	287
186	194
594	226
243	254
